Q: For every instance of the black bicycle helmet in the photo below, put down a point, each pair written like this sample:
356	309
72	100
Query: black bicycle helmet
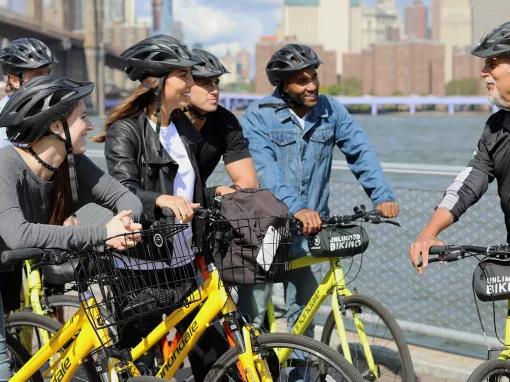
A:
290	59
494	43
210	67
30	111
156	56
25	53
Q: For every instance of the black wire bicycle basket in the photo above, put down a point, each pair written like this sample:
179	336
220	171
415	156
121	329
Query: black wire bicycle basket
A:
154	277
254	250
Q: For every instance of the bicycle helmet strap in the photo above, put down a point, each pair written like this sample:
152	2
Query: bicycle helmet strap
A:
157	113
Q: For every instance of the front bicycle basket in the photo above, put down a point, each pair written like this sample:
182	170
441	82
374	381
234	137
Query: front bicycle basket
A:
155	276
257	250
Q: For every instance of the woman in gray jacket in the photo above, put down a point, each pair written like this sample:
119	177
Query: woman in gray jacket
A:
48	177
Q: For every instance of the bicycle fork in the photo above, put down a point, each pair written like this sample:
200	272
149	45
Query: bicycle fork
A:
251	365
339	293
339	312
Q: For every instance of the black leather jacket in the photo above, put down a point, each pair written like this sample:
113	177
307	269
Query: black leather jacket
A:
132	157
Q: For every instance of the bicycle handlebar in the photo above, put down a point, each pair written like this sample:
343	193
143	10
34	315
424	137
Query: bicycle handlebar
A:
13	256
450	253
360	214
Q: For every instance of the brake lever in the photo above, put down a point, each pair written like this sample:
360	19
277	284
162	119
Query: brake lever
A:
392	222
376	218
51	258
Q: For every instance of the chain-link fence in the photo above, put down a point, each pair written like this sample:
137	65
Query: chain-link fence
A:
437	308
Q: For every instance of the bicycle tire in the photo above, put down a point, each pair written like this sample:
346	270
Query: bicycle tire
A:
395	362
62	306
490	371
19	356
19	320
326	355
144	379
64	300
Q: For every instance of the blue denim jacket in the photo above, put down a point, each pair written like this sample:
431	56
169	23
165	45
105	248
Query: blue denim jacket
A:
295	163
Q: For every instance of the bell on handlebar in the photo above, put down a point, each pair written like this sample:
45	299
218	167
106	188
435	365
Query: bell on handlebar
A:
361	209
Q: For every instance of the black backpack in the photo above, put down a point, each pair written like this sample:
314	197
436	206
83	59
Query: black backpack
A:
261	246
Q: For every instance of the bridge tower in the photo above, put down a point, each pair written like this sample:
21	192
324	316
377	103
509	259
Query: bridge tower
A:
93	44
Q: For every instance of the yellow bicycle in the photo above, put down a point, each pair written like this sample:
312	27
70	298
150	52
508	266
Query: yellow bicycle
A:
358	326
252	356
42	296
496	369
119	294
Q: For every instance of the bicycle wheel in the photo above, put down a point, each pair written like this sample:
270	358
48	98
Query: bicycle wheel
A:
19	356
494	370
386	340
26	328
310	360
61	307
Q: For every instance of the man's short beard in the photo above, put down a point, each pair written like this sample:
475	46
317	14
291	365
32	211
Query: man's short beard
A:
496	100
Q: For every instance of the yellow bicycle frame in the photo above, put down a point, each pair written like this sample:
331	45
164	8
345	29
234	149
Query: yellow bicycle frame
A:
214	299
82	338
31	297
504	355
333	283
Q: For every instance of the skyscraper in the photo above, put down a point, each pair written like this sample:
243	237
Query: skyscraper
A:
334	28
487	15
451	25
163	19
319	22
301	20
416	20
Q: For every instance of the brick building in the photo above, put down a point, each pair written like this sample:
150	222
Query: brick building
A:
465	65
411	67
416	20
265	48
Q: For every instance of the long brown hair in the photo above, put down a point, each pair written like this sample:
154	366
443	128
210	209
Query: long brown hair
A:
61	198
130	106
60	201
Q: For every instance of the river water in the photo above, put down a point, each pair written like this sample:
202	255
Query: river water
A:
424	138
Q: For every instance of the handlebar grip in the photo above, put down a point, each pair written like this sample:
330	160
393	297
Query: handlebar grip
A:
13	256
437	253
437	249
446	253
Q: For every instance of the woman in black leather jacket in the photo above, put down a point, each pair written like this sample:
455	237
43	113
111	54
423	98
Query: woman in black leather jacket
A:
134	153
151	148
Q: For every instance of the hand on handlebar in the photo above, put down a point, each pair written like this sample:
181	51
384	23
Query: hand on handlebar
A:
420	247
311	220
182	208
388	209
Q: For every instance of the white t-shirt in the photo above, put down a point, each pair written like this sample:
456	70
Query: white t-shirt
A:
301	120
184	184
3	133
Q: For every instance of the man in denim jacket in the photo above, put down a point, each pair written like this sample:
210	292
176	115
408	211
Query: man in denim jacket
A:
291	137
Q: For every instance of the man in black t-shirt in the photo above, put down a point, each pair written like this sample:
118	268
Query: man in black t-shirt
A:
220	129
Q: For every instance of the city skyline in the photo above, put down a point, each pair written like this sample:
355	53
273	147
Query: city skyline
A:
254	17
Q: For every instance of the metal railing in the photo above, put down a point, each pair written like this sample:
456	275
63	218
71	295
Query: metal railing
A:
233	101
